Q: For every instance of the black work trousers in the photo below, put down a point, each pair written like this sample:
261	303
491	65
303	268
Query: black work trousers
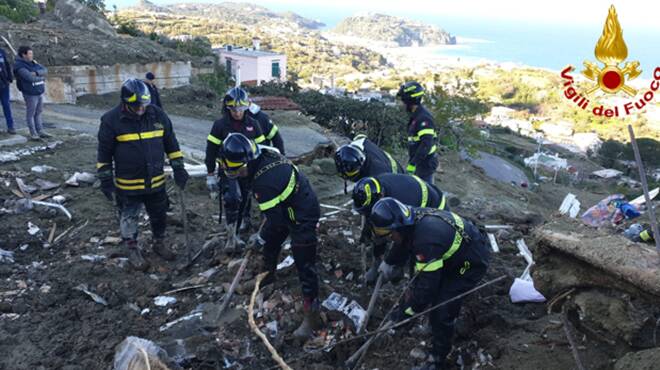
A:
302	220
464	274
234	198
426	168
130	206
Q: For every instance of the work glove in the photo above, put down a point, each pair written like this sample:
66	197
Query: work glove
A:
107	183
387	271
411	169
212	183
108	188
180	177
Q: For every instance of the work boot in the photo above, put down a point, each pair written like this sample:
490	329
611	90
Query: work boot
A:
270	268
11	131
45	135
311	320
35	137
135	256
372	274
234	243
159	247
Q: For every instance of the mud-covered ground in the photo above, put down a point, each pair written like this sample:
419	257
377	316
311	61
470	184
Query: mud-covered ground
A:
46	323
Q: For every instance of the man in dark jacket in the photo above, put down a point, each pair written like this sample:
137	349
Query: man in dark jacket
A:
422	146
6	78
153	89
451	256
291	208
31	81
235	119
362	158
134	139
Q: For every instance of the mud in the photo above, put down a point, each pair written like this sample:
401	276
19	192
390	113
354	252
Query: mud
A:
47	324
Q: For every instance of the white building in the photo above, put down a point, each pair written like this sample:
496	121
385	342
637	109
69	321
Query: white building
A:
252	66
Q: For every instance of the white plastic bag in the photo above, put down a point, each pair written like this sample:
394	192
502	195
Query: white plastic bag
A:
524	291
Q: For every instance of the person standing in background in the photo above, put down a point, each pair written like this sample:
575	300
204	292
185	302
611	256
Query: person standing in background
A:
6	78
31	81
153	89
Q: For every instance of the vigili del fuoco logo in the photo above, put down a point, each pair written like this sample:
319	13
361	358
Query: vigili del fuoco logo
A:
612	76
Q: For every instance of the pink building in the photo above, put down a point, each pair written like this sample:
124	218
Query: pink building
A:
252	66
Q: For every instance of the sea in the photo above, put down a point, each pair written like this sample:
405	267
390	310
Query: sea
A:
551	46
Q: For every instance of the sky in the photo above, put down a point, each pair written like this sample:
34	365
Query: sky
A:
633	14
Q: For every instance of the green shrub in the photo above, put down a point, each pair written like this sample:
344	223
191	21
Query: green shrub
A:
218	81
18	10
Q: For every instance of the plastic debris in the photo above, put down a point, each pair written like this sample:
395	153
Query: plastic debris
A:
78	177
606	211
54	205
570	205
493	243
25	188
288	262
272	329
59	199
134	346
6	256
522	290
334	302
46	185
93	258
97	298
607	174
42	169
337	302
162	301
111	240
194	315
33	229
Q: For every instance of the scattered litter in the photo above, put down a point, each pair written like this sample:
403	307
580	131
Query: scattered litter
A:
42	169
288	262
208	273
97	298
131	347
356	313
334	302
59	199
272	329
46	185
6	256
33	229
606	211
337	302
523	290
24	247
498	227
347	232
111	240
635	233
80	177
145	311
527	255
45	289
637	202
349	276
162	301
38	265
24	152
193	315
93	258
493	243
570	205
607	173
418	353
53	205
25	188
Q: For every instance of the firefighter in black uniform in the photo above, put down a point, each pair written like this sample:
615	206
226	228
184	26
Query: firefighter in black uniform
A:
409	190
422	146
270	130
291	208
362	158
134	139
234	119
451	256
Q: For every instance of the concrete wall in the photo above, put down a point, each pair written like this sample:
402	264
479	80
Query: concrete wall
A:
65	83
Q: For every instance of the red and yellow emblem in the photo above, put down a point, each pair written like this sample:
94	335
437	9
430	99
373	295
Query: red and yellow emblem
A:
611	50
